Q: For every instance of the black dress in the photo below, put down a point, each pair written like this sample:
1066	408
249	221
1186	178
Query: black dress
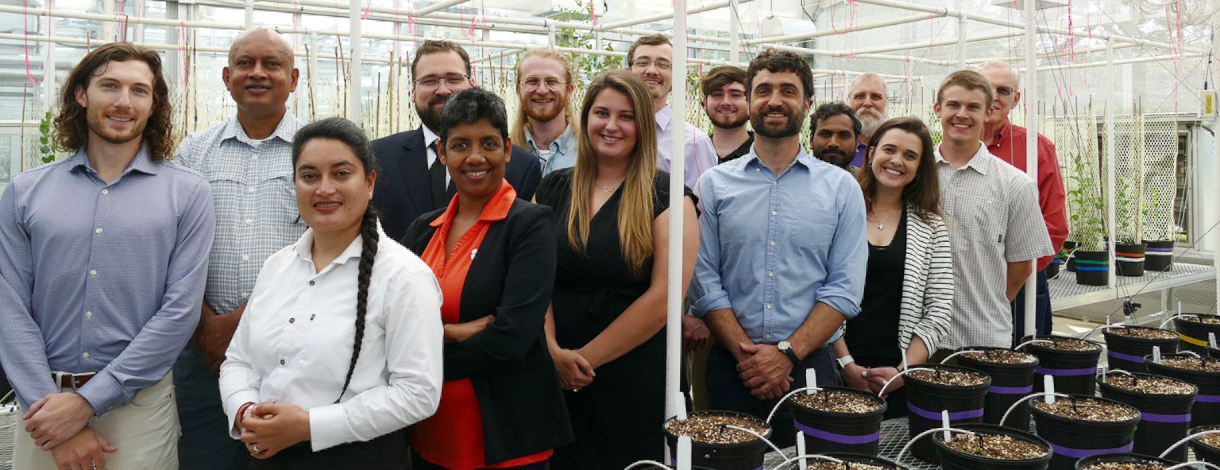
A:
872	337
617	419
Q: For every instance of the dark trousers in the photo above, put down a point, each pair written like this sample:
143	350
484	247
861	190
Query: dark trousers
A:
421	464
1042	305
205	443
387	452
725	390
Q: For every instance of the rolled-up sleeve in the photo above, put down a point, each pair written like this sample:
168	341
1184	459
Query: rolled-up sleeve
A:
847	261
707	290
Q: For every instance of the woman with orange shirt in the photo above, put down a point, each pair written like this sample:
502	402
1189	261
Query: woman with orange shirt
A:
494	255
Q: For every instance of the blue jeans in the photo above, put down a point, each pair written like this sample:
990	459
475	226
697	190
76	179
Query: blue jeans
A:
725	391
205	443
1042	305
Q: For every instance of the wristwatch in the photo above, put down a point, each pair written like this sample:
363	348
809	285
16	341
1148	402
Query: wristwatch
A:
786	348
845	360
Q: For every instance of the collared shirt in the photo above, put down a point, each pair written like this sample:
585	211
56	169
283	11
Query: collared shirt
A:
1052	199
700	153
431	139
97	276
992	213
559	155
771	247
254	199
740	151
294	342
861	155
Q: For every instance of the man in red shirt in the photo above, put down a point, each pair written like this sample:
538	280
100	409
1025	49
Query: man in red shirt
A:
1007	141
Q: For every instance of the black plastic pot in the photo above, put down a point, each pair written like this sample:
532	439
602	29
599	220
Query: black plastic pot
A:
839	432
1069	262
1129	259
926	400
952	459
742	456
1073	439
1203	451
1164	419
1194	334
1009	384
1073	370
866	459
1092	267
1206	410
1121	457
1127	352
1159	255
1052	269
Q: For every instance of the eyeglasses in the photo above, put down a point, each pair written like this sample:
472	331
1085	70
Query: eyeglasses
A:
644	63
1004	90
533	82
434	81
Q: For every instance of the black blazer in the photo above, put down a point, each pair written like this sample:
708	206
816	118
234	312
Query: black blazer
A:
404	190
508	362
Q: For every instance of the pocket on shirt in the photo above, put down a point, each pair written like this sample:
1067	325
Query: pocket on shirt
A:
811	230
990	221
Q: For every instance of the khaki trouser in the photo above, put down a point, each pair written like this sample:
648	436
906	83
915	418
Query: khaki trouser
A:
145	432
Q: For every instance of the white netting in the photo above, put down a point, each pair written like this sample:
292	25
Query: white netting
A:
1160	182
1077	148
1128	172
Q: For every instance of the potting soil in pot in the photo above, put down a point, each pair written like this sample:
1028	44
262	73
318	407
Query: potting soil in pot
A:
1164	405
1072	362
714	445
1127	346
992	447
1207	448
958	390
838	419
1012	378
1204	373
996	446
828	465
854	462
1193	329
1080	426
1123	462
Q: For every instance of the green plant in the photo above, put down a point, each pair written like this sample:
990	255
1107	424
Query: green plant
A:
1086	220
1124	212
45	137
585	66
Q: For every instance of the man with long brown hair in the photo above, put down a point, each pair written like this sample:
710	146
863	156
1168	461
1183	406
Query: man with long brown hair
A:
103	267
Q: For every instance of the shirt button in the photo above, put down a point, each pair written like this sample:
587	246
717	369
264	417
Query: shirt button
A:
254	157
768	306
92	272
774	212
99	230
245	295
281	362
311	283
771	274
105	191
292	320
772	242
776	183
249	221
767	337
84	355
245	257
89	314
250	190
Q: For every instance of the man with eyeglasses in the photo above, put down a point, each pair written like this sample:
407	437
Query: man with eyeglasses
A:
1007	141
412	180
545	115
870	100
651	57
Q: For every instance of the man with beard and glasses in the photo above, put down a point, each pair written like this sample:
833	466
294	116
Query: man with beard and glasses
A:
651	57
870	99
103	261
782	253
545	116
412	180
991	209
1007	141
724	101
832	133
248	160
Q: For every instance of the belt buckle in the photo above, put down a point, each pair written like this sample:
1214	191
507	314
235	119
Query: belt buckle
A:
77	380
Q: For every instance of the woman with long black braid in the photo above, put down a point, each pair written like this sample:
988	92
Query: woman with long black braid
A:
320	375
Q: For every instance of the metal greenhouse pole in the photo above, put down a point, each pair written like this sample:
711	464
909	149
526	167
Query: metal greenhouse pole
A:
673	309
1031	147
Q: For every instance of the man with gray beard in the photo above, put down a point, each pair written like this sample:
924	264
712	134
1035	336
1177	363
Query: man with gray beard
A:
870	99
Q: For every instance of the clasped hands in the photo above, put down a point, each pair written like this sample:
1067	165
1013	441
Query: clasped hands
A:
764	370
871	379
268	428
59	423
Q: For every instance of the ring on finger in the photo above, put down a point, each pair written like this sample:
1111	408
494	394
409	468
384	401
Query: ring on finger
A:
254	450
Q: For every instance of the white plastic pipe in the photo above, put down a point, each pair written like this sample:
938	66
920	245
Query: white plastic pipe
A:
1111	218
849	29
356	76
963	19
1216	158
673	324
734	33
1031	151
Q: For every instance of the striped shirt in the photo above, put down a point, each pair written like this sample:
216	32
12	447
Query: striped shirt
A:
255	203
992	212
100	277
927	283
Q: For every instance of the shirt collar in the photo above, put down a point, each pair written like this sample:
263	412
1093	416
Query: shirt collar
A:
496	208
142	162
802	157
304	247
980	162
285	130
1005	133
664	118
429	136
560	144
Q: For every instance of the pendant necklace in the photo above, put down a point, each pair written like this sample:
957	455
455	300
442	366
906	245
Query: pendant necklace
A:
880	223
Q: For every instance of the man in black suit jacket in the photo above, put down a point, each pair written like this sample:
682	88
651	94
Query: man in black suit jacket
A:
409	183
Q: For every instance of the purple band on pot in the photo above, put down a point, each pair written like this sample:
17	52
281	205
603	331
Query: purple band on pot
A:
1125	357
837	438
953	415
1010	390
674	463
1160	418
1066	372
1207	398
1082	453
1151	250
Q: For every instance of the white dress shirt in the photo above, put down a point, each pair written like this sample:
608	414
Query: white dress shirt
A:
294	343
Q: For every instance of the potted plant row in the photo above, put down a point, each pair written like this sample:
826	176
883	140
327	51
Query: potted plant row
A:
1164	404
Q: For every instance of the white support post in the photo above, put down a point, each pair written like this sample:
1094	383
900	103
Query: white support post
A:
1031	146
249	14
141	10
109	27
673	324
1216	159
356	76
49	82
299	98
962	19
734	33
1111	218
550	34
313	70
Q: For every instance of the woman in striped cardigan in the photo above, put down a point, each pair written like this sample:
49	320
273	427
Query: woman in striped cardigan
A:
908	246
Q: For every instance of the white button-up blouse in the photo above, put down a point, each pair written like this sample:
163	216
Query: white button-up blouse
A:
294	343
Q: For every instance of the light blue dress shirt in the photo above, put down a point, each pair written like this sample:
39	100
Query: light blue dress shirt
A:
100	277
563	150
700	153
771	247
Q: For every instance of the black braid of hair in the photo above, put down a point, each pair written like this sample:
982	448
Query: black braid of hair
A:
368	231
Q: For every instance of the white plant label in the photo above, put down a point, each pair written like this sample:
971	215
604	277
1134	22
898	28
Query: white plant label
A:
811	381
1156	354
800	447
680	405
1211	339
944	423
1048	384
684	451
904	359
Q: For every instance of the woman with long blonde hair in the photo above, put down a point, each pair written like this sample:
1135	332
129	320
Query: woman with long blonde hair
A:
604	330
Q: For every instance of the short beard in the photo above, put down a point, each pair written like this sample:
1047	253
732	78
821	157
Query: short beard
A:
843	161
561	102
733	124
792	128
430	119
870	121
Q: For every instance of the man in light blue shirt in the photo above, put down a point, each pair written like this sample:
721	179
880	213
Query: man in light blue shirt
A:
103	258
545	115
248	160
782	253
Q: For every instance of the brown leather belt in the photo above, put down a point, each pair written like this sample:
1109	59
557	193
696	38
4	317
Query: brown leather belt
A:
72	381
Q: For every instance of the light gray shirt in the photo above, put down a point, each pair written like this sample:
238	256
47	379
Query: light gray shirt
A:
992	212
